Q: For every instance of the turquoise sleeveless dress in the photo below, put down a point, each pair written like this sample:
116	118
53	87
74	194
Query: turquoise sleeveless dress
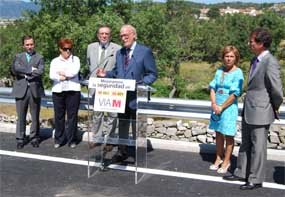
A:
225	84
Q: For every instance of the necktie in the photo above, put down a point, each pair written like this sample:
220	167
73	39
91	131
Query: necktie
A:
102	55
253	66
28	57
127	58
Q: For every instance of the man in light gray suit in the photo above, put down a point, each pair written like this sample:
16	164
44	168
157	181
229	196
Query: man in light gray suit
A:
28	68
102	55
263	98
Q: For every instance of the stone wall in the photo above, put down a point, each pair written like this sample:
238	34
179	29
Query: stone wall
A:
6	82
194	131
189	131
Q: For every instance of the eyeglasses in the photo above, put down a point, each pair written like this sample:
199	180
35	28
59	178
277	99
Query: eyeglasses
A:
66	49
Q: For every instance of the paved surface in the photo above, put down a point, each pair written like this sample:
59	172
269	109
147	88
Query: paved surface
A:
33	174
272	154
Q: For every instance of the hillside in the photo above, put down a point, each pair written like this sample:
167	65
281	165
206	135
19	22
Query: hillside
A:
11	9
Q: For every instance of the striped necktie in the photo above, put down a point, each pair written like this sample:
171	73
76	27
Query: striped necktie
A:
127	58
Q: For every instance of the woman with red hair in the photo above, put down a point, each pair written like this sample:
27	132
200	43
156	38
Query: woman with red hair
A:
64	72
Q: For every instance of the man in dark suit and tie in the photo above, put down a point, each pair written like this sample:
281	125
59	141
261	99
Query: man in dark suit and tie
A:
102	54
263	98
134	61
28	68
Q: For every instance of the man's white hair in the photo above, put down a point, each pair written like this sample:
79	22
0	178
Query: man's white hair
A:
132	28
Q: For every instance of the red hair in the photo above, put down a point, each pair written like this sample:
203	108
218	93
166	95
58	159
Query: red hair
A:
65	41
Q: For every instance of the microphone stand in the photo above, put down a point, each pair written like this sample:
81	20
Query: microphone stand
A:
99	65
86	80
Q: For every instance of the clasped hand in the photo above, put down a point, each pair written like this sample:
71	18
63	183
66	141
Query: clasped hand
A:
62	76
217	108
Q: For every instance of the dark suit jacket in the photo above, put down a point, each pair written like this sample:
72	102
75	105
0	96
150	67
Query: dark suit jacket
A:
28	74
141	68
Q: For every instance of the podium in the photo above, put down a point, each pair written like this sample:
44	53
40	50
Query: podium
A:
143	97
105	139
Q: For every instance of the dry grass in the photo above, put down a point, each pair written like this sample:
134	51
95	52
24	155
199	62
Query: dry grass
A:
194	73
197	74
46	113
194	78
8	109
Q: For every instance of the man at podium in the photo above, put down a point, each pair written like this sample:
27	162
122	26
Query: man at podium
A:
134	61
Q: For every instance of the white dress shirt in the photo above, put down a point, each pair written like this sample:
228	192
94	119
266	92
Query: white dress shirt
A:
132	49
261	55
70	67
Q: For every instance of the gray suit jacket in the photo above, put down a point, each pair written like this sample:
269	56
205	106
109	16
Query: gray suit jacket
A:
28	74
93	56
264	92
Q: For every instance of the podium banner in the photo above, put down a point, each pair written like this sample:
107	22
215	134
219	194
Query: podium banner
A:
110	94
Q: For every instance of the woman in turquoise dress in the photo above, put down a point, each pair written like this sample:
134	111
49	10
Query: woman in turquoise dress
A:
224	91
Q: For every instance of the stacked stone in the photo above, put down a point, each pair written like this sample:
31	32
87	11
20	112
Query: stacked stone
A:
6	82
188	131
194	131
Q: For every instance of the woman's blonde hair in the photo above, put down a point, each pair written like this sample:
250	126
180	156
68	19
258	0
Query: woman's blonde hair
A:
228	49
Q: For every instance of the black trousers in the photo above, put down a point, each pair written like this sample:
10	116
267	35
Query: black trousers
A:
125	120
66	103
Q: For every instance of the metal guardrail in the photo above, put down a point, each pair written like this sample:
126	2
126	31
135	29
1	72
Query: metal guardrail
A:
200	109
5	97
163	107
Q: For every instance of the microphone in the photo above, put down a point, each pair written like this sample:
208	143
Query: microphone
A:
111	55
132	74
148	94
99	65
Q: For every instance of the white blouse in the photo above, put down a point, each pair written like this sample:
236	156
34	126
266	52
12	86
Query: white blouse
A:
70	67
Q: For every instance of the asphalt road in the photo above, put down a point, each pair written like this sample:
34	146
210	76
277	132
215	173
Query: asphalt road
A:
49	172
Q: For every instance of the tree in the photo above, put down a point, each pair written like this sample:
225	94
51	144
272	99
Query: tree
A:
281	50
152	30
170	29
213	12
275	24
236	31
10	39
73	7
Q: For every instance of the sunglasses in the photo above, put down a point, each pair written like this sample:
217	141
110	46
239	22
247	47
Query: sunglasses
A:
66	49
